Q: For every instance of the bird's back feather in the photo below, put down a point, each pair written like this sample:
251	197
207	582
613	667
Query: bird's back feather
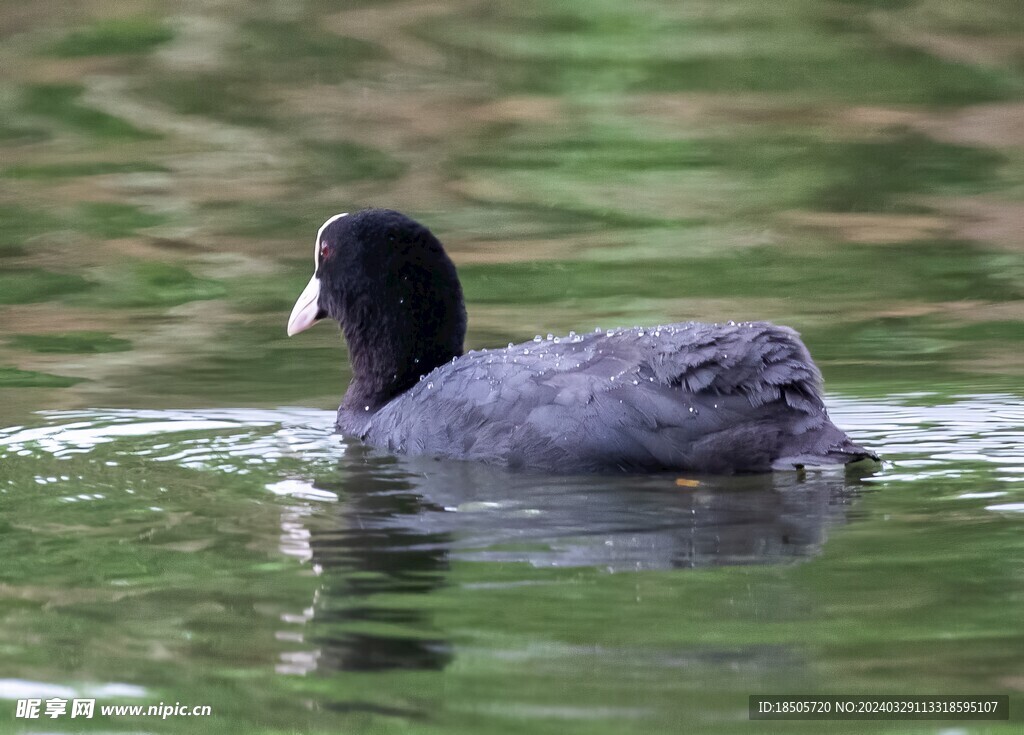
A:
698	397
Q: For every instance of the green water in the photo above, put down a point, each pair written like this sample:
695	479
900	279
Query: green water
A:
177	524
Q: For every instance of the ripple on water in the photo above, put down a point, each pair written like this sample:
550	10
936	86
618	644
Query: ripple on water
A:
219	439
292	454
24	689
921	441
917	441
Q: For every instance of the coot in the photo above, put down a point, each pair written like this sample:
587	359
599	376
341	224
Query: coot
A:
714	398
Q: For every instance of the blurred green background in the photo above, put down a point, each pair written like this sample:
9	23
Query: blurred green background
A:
854	169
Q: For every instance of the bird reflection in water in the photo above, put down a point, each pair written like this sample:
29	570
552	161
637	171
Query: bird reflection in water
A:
400	521
376	548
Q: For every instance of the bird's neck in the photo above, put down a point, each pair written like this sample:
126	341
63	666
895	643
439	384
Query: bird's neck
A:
388	360
413	321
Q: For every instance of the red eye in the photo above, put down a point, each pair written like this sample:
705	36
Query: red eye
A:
325	251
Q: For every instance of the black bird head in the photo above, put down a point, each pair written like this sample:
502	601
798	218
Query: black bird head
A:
388	282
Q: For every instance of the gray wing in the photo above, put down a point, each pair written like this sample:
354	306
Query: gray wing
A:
702	397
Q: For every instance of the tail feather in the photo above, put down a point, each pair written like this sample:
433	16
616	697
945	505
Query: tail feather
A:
827	446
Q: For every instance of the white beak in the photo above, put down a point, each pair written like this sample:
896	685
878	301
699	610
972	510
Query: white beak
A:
306	309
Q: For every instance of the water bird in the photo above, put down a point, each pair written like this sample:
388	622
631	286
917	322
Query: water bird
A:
697	397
